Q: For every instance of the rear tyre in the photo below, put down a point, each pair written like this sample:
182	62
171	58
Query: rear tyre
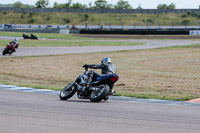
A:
100	93
10	52
68	91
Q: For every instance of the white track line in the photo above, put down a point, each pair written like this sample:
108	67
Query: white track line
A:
113	98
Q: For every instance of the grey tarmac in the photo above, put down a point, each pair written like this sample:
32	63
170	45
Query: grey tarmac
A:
149	44
22	112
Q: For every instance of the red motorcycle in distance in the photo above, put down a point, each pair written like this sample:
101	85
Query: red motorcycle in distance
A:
10	48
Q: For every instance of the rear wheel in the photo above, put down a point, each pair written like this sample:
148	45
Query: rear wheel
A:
100	93
10	52
68	91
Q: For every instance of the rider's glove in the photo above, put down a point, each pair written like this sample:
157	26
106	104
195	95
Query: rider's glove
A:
85	66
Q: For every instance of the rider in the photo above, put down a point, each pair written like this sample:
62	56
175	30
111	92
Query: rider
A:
25	36
106	67
33	36
14	44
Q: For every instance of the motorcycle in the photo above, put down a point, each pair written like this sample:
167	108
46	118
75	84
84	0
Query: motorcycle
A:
33	37
29	37
99	89
25	36
10	48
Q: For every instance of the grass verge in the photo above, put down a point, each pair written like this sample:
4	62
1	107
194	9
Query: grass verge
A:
56	43
109	19
44	35
164	73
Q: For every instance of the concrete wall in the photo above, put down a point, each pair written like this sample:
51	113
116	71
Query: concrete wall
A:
148	11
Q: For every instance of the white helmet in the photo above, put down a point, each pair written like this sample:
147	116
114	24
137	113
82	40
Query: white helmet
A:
106	60
16	40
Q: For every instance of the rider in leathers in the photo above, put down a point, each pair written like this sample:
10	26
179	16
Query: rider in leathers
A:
14	44
106	67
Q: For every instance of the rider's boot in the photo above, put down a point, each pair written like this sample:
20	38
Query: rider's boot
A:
89	80
112	92
106	98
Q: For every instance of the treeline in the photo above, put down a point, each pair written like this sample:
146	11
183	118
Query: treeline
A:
98	4
17	4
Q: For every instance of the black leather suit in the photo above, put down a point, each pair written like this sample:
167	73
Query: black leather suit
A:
106	69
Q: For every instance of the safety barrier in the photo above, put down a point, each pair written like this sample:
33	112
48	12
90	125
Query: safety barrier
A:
125	11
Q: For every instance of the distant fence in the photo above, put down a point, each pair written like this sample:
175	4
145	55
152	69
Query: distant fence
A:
83	31
138	32
72	10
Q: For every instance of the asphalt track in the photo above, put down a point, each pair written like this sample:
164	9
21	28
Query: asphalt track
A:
149	44
23	112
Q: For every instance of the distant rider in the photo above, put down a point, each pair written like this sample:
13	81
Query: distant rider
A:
33	36
14	44
25	36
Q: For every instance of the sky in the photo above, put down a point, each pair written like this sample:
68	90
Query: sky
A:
146	4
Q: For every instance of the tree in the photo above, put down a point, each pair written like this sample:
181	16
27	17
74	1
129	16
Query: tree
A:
172	6
162	6
121	4
165	6
79	5
109	6
18	4
66	5
100	4
139	6
55	5
90	5
42	3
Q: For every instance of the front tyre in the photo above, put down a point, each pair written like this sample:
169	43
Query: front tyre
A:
5	51
68	91
100	93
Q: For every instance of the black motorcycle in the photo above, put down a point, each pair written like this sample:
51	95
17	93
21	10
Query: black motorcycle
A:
33	37
25	36
10	48
29	37
99	89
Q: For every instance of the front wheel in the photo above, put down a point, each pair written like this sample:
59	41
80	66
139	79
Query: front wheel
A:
100	93
68	91
5	51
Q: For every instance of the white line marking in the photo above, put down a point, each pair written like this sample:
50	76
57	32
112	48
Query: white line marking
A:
113	98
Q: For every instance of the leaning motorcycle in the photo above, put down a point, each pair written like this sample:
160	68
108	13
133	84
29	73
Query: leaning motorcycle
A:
9	49
99	89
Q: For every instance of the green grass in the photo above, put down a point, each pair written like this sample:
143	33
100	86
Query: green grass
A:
168	73
154	96
56	43
31	86
44	35
184	46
